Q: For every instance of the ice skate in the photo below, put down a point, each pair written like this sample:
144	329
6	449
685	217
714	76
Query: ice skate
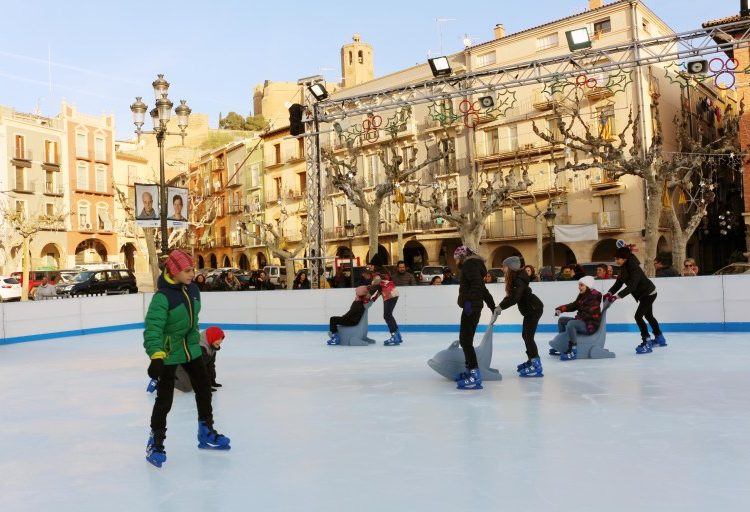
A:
155	453
398	337
534	369
554	352
333	338
525	364
570	355
473	381
393	340
644	348
659	341
208	438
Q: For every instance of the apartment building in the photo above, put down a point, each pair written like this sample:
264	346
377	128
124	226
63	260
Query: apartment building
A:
32	180
505	141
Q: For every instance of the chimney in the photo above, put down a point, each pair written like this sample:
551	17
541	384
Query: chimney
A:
744	11
595	4
500	30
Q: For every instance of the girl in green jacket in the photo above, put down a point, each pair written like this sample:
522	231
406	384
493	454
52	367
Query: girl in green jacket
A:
171	338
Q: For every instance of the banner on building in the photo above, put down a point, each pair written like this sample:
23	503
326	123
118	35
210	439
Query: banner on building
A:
177	207
147	205
576	232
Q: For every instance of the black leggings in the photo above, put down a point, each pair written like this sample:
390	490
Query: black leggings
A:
530	321
196	369
646	309
466	336
388	307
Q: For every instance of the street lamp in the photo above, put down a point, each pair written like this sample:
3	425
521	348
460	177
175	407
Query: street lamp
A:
549	218
160	115
349	228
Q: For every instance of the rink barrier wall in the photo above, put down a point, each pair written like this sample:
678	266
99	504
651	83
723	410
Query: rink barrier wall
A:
697	304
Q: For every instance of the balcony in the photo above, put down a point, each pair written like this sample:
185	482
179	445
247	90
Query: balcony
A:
543	101
217	164
234	182
235	208
610	220
216	188
51	190
596	87
24	188
22	158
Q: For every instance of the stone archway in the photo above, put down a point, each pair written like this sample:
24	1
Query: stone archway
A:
343	251
662	245
50	257
604	250
502	252
384	256
201	261
244	262
260	258
212	259
127	252
415	255
225	262
564	255
91	250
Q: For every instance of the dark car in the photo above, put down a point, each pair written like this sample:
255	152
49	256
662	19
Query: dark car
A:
97	282
36	276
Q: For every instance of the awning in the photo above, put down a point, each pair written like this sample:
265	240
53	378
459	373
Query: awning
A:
576	232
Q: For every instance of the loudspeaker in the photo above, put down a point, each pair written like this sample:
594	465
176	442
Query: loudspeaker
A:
697	66
486	102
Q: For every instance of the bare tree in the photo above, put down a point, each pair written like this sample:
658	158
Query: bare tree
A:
26	229
343	175
611	154
487	192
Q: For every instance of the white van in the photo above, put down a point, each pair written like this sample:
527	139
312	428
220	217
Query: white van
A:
276	275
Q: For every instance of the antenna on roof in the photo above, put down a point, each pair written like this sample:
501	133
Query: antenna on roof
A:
440	30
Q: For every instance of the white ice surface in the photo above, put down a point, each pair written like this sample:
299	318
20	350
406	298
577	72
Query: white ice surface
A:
318	428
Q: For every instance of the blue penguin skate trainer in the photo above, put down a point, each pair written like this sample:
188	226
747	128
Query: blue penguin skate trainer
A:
210	439
155	453
473	381
532	370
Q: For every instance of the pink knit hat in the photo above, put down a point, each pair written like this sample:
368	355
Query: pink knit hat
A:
178	261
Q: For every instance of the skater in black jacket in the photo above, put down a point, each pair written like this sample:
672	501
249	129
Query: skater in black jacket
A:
518	291
471	293
643	291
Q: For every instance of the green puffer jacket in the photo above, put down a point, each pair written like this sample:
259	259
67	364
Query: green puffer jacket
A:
171	324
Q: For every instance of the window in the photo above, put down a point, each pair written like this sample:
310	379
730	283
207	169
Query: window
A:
486	59
21	207
602	27
20	179
360	57
51	155
83	216
373	170
302	182
277	187
255	175
301	148
49	182
49	209
452	198
132	175
553	129
101	178
512	137
82	176
20	147
100	151
447	164
548	41
606	122
82	145
277	153
518	220
493	142
646	25
102	217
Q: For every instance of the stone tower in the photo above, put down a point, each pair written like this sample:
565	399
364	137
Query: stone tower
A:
356	62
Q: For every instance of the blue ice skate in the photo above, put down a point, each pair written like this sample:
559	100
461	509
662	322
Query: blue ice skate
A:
473	381
398	337
333	338
210	439
644	348
570	355
532	370
554	352
659	341
393	340
155	453
523	365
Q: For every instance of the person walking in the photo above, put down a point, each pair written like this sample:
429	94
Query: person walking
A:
472	292
643	290
518	291
171	338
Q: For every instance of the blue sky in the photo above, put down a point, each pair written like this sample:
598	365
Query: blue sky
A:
104	53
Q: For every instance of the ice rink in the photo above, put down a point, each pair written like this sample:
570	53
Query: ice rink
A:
318	428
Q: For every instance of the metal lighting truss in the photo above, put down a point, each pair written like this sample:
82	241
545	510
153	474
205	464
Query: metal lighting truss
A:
685	45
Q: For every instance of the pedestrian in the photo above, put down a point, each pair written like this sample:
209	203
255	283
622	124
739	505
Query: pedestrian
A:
301	282
200	282
436	281
351	317
382	284
402	277
262	283
531	272
587	306
210	341
518	291
448	276
171	338
644	292
471	294
45	291
690	268
663	265
229	283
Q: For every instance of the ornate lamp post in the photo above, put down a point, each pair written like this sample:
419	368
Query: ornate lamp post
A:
160	116
549	218
349	228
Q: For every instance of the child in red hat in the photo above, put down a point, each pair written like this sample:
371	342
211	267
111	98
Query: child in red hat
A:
211	340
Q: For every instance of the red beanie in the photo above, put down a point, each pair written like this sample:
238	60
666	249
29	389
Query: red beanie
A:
214	334
178	261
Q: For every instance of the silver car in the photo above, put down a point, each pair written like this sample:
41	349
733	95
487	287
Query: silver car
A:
427	273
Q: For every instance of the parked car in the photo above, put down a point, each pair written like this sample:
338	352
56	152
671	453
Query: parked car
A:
428	272
10	289
36	276
98	282
733	269
276	275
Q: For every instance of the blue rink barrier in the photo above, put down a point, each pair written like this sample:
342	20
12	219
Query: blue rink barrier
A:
697	304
